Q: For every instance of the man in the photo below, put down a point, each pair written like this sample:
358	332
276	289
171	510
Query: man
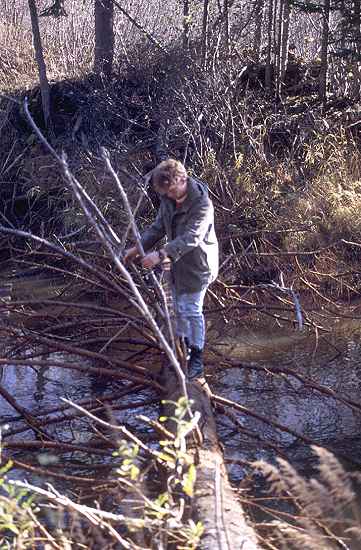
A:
186	218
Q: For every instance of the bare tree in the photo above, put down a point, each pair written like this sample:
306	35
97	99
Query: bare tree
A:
284	42
104	36
277	31
226	8
186	24
357	22
39	56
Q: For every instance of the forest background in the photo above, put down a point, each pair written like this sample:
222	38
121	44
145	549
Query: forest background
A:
259	98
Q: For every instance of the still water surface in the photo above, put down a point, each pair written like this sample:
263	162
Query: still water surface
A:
331	361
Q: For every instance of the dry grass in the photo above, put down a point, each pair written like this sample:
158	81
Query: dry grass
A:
321	512
330	203
69	41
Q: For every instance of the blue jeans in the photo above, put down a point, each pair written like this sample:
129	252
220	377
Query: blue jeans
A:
190	318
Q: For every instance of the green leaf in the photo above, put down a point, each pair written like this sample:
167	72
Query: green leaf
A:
166	458
134	472
6	468
11	527
188	481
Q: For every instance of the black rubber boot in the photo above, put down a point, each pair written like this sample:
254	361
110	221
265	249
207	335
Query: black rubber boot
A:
195	363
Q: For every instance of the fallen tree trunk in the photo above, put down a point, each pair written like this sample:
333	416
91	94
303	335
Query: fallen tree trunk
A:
215	503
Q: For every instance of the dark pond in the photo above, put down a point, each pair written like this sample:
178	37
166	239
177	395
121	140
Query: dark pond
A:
332	361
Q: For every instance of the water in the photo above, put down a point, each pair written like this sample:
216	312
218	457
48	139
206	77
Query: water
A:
254	378
240	367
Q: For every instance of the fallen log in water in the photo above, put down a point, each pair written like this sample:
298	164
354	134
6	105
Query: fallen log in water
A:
215	502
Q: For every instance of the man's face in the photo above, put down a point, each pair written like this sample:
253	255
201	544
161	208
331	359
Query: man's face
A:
176	190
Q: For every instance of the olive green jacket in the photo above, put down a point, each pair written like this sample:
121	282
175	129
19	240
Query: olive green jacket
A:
191	239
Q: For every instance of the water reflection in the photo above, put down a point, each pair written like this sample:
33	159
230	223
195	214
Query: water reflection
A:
331	361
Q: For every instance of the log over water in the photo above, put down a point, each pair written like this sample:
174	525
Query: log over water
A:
215	502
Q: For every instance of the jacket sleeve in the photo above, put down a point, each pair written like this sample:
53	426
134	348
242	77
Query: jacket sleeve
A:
200	220
154	232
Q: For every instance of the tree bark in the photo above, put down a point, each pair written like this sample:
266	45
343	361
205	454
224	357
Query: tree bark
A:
357	30
285	34
39	56
186	24
104	37
324	52
226	28
278	43
355	86
257	39
269	45
215	503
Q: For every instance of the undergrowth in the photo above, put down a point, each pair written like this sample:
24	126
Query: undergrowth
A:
43	517
319	513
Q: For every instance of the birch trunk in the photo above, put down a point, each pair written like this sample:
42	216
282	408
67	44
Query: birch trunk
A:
269	45
284	43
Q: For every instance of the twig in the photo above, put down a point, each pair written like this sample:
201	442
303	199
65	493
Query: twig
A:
94	515
105	156
42	529
85	202
154	454
150	37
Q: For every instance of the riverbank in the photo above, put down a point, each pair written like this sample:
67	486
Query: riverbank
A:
284	205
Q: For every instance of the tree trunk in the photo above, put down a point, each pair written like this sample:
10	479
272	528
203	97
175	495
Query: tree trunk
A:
215	502
104	37
205	33
324	52
269	45
39	56
186	24
284	43
278	44
357	24
275	29
257	39
226	28
355	87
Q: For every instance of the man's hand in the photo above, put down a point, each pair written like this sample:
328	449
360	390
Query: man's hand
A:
131	254
150	260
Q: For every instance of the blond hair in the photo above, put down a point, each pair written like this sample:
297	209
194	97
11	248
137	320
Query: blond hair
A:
167	171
